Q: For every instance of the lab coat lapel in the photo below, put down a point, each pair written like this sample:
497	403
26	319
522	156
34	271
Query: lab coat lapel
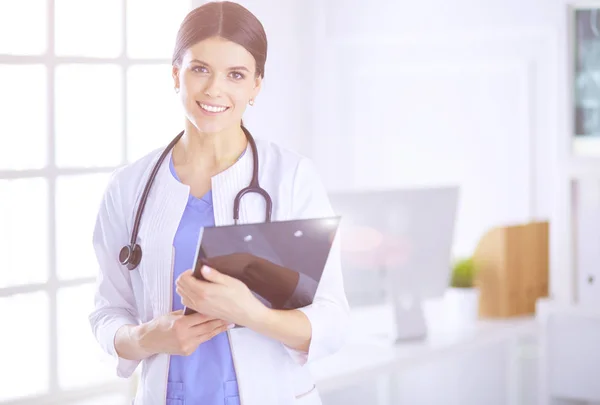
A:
164	208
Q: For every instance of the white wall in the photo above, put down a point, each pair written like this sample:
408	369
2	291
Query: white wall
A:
437	92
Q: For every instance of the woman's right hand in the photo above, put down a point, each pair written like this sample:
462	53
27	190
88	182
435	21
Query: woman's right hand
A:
179	334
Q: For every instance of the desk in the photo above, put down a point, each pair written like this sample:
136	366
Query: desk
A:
370	353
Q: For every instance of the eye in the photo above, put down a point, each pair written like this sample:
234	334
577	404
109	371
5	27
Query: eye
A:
237	75
199	69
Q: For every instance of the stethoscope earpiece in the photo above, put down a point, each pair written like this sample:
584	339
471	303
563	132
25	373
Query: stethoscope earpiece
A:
130	256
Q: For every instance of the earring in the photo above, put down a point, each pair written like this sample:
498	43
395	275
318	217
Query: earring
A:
251	102
176	89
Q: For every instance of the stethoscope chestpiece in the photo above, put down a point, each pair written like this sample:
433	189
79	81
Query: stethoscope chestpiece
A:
130	256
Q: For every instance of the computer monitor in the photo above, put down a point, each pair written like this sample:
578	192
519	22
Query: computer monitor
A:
396	247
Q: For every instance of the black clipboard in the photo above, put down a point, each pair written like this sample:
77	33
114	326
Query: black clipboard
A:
281	262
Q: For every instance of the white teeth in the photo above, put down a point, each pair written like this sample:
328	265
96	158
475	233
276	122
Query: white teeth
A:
213	109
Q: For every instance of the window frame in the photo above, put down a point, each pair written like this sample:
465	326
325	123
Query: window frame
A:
50	172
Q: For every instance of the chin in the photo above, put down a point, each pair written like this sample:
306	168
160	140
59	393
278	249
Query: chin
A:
210	126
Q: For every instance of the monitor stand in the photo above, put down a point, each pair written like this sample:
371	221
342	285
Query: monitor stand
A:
409	318
408	315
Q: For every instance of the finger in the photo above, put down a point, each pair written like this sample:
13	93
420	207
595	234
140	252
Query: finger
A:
209	326
199	319
192	284
220	330
214	332
190	289
186	278
199	294
183	293
181	288
214	276
186	300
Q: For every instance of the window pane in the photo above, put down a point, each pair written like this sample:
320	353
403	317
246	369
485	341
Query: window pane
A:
24	350
152	27
23	27
23	232
81	361
89	28
24	95
154	116
77	202
89	116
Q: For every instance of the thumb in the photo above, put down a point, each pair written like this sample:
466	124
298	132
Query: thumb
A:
213	275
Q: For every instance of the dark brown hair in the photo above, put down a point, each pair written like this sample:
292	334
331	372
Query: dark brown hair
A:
227	20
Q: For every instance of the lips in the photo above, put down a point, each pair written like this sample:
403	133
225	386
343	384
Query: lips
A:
212	108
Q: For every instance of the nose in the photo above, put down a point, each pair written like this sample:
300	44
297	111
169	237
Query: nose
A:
213	86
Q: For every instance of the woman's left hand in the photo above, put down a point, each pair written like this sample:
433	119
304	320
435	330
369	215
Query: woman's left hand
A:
220	296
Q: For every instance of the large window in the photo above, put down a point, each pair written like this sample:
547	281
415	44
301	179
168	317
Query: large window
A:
85	86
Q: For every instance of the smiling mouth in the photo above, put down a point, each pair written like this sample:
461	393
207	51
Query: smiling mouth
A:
212	108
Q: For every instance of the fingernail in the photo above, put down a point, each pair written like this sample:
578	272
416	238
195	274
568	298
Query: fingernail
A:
231	326
205	269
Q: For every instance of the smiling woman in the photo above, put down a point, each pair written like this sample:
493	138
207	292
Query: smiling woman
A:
217	69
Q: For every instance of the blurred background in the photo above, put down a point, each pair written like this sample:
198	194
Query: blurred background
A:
495	100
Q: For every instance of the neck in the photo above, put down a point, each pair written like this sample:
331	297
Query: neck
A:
212	152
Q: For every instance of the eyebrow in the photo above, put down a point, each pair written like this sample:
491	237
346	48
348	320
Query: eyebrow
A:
231	68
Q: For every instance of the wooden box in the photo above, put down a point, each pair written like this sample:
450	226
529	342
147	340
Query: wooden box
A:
512	264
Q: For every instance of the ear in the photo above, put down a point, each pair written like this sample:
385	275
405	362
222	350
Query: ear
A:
257	86
175	74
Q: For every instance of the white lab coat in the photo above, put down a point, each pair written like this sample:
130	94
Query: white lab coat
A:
268	372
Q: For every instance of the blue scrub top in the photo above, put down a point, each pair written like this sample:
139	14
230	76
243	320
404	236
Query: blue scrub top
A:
207	376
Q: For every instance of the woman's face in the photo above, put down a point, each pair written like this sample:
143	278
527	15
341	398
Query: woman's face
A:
216	80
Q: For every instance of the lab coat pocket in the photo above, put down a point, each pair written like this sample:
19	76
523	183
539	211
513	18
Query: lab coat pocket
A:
310	397
302	383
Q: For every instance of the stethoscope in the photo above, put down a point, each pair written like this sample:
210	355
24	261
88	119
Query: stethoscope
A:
131	255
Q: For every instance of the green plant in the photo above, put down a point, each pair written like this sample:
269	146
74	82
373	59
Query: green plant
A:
463	273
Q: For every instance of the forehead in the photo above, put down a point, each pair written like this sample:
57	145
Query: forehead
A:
220	53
